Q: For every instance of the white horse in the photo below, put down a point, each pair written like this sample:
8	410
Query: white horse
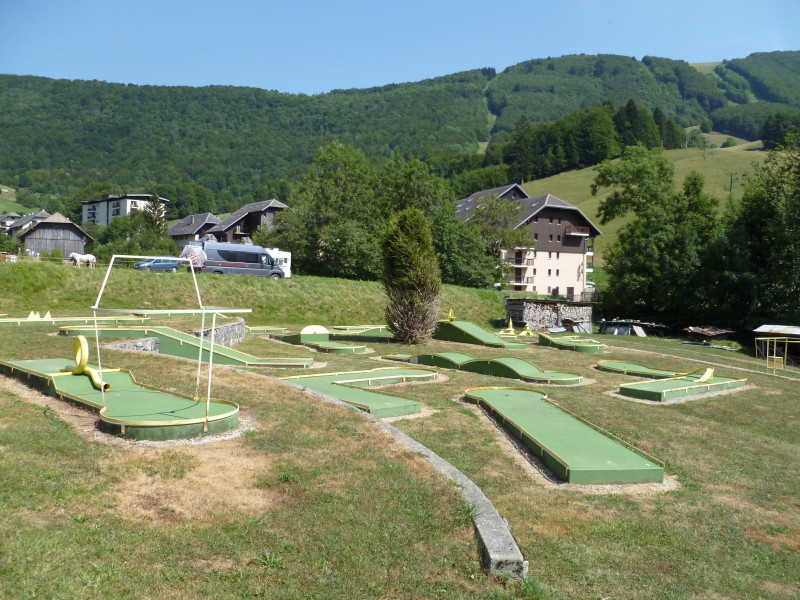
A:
87	259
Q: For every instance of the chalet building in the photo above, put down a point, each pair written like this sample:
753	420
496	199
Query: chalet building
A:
245	221
7	220
29	220
111	205
561	252
55	232
192	228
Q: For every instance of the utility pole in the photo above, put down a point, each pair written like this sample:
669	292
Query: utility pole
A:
729	188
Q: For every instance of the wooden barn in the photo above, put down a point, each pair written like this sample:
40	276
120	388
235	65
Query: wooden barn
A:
56	231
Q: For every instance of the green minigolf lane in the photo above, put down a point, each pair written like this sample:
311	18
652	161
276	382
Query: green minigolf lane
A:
348	387
568	342
516	368
616	366
127	408
573	450
470	333
512	368
185	345
679	387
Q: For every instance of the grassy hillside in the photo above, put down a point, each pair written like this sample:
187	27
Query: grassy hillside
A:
314	501
62	289
8	201
716	167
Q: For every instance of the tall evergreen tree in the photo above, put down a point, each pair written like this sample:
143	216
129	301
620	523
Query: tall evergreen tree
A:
411	277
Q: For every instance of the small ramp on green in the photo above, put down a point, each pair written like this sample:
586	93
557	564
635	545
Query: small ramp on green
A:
319	338
512	368
701	381
185	345
348	387
516	368
127	408
571	342
572	449
626	368
470	333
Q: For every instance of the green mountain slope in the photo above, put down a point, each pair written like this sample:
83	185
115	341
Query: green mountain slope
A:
59	135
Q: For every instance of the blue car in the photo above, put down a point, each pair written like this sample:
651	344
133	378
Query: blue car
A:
158	263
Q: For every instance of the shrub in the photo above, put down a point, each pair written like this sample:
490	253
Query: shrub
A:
411	277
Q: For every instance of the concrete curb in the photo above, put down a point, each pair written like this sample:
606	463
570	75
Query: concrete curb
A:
500	553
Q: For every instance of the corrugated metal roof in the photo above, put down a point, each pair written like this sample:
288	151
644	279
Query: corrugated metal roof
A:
779	329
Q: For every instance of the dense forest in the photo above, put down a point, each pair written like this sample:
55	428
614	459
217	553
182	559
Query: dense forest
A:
221	147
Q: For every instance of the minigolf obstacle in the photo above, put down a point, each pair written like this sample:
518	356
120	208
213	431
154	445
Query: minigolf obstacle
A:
572	449
125	407
510	367
349	388
318	337
571	342
470	333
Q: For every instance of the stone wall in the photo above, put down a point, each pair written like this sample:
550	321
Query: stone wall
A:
545	313
228	334
141	345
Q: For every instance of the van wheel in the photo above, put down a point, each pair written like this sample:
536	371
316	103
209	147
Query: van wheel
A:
275	276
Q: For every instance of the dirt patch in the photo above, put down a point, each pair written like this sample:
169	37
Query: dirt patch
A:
217	474
218	477
780	589
426	411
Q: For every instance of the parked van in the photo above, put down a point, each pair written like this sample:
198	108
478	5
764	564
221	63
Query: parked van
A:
282	259
238	259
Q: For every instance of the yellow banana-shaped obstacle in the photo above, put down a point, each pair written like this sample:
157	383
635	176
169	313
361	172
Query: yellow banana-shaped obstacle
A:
81	350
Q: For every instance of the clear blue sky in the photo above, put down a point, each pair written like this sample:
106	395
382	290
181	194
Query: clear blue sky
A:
313	46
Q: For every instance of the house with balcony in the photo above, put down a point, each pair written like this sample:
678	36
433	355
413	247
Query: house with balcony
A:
560	252
192	228
26	222
109	206
245	221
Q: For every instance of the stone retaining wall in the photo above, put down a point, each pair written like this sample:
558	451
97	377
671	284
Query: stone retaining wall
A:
228	334
141	345
546	313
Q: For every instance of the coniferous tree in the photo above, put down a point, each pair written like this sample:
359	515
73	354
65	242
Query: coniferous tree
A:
411	277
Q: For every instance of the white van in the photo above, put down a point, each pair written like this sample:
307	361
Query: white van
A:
282	259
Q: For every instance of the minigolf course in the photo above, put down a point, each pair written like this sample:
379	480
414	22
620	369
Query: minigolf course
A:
35	318
125	407
466	332
570	448
512	368
698	382
318	337
626	368
571	342
185	345
348	387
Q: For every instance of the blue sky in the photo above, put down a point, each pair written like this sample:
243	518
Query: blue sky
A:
313	46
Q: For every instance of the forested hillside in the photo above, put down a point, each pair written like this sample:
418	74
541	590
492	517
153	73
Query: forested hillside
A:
241	144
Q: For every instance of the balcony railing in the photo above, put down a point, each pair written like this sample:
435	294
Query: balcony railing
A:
520	262
575	230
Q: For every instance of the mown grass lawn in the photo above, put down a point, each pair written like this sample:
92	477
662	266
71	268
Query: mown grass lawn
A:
315	502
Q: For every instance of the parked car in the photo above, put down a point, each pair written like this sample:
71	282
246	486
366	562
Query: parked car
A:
159	263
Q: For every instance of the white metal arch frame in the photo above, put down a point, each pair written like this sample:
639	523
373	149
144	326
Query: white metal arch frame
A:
202	309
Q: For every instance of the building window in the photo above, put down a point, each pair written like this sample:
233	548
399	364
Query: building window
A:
549	255
549	272
551	220
548	289
551	237
558	237
559	220
535	219
557	272
133	204
558	255
535	237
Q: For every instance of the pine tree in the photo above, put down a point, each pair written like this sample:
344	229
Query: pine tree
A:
411	277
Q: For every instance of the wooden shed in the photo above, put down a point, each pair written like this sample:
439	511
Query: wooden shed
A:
56	231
